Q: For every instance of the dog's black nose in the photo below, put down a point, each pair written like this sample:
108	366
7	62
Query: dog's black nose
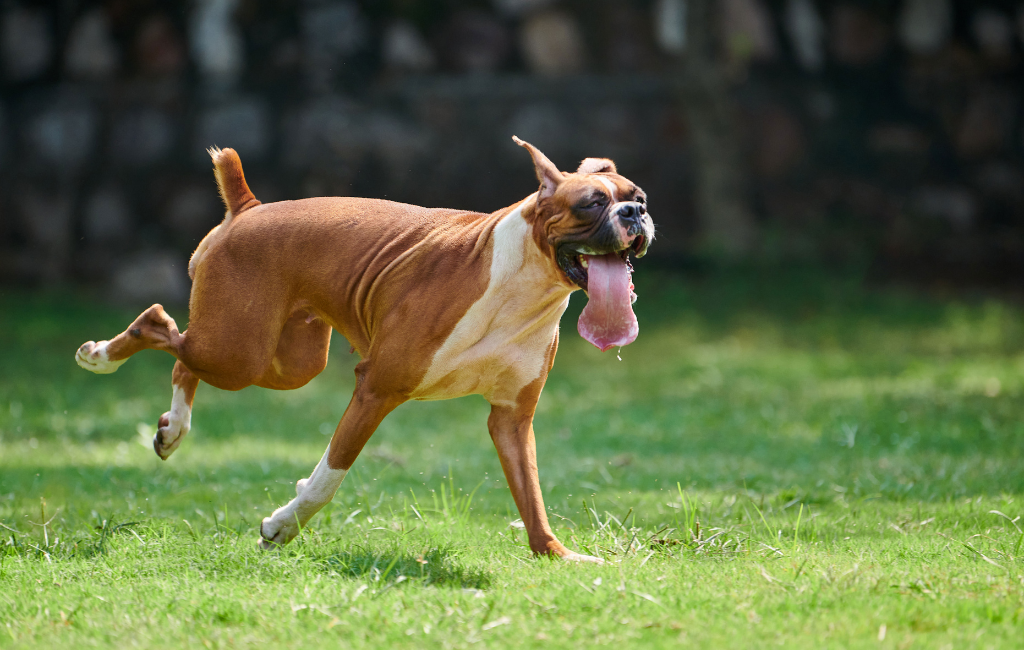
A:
632	211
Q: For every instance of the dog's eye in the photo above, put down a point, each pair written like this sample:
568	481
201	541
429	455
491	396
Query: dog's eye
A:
596	203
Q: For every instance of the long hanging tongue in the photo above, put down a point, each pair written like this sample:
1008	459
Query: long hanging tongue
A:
608	319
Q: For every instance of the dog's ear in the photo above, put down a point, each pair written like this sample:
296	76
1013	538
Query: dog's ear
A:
548	175
596	166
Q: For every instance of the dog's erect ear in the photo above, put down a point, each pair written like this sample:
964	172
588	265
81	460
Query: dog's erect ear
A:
548	175
596	166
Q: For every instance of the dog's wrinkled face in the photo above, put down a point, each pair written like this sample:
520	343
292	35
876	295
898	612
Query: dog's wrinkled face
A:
593	214
589	223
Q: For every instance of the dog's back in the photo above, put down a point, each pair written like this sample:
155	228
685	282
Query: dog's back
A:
301	226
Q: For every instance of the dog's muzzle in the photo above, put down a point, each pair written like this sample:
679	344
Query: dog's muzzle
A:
633	226
631	215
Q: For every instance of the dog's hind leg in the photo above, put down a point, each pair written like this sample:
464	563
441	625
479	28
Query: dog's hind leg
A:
364	413
175	424
152	329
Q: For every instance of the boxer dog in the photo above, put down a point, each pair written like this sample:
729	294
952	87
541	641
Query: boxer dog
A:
439	304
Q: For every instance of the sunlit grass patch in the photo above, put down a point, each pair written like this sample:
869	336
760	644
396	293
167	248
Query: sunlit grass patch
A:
778	460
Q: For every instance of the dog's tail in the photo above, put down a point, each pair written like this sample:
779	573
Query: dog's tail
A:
227	168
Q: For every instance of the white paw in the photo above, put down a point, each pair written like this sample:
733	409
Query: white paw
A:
300	485
93	357
278	529
173	425
169	434
579	557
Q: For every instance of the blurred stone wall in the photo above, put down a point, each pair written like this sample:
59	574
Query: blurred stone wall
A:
877	131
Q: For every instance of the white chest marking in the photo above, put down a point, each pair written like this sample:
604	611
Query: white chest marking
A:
501	343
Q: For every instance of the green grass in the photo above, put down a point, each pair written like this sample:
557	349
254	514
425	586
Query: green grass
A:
781	459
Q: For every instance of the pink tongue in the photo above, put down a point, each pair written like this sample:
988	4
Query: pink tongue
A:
608	319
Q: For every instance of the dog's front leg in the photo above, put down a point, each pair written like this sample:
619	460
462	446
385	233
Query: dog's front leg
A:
311	494
363	415
511	430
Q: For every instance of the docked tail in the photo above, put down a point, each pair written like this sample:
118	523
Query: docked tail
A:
227	168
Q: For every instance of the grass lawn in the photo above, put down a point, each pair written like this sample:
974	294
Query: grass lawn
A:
780	459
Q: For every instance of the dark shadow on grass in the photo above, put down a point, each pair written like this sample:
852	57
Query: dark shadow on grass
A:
944	464
71	545
437	566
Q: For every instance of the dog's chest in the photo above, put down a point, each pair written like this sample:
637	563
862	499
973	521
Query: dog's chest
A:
501	344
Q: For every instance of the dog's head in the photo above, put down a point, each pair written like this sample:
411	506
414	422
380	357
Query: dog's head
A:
589	222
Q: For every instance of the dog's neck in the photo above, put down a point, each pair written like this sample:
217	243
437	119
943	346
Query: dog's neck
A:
517	262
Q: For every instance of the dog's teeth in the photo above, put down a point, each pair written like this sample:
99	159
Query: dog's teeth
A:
583	262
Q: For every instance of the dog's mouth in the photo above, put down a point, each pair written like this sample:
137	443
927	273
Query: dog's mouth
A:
608	320
575	258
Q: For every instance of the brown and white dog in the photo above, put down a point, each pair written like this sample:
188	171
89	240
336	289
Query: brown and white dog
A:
439	304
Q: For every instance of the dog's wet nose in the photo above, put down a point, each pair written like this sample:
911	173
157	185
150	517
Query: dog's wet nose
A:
631	211
631	216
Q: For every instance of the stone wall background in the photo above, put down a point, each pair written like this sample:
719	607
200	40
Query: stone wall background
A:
880	132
